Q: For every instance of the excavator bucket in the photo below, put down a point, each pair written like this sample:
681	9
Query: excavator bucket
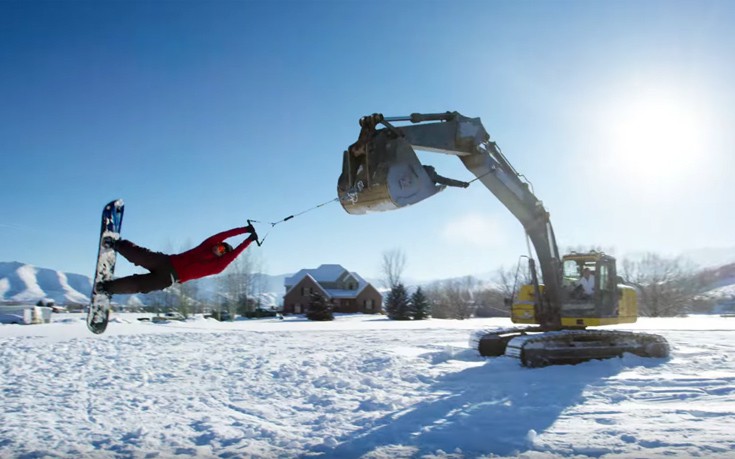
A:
384	175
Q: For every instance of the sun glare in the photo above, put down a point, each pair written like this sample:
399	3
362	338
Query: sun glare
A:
658	136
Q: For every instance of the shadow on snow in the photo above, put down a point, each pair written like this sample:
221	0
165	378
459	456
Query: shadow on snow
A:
487	409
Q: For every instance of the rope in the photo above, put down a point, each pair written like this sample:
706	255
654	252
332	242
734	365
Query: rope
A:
350	195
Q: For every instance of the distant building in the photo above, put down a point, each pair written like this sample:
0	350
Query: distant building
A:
345	291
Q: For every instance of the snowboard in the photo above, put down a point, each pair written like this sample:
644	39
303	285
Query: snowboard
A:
99	307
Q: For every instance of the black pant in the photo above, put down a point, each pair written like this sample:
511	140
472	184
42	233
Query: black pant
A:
161	274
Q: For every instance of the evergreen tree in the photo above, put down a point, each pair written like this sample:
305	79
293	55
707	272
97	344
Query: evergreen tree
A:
319	308
420	305
397	305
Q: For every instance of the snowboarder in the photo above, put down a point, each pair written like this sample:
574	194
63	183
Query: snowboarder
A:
210	257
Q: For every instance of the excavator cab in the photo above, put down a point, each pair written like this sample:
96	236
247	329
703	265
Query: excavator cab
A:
611	302
380	172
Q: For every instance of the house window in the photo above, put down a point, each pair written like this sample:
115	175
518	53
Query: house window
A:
369	305
297	309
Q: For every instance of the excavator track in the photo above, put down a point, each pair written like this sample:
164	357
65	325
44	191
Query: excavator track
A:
493	342
538	349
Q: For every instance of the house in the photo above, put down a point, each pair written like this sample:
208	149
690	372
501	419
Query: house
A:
345	291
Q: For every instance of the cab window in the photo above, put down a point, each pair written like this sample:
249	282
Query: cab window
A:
571	269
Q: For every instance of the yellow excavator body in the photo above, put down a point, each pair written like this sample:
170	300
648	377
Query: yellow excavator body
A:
612	302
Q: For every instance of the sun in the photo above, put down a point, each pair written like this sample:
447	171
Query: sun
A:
657	131
656	135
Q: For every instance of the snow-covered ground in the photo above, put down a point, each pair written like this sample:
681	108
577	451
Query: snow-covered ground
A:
361	386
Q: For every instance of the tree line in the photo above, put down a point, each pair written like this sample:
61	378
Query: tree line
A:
666	287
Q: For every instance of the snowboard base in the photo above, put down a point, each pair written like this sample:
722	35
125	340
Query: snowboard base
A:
98	314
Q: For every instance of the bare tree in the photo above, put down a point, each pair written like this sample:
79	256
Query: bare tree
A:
440	307
491	302
466	308
495	301
666	286
453	298
507	280
183	297
393	264
240	282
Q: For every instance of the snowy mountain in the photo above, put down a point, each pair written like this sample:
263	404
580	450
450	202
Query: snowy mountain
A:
711	257
25	283
720	284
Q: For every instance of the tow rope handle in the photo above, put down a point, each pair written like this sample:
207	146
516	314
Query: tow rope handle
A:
261	241
250	224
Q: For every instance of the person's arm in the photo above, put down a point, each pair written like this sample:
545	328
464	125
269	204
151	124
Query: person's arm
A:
229	257
220	237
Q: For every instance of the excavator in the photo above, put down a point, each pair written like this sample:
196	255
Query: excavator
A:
382	172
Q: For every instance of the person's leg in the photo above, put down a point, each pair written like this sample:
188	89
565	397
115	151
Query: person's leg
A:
140	256
137	283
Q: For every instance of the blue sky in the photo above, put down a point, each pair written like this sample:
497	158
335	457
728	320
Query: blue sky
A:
201	115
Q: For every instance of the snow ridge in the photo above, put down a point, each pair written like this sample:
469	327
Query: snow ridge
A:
26	283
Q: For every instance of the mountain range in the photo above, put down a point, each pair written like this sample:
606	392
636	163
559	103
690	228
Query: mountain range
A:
24	283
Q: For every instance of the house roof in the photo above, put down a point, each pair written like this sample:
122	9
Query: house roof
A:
324	273
327	273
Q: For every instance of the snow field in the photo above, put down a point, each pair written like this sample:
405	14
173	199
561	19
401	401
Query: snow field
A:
360	386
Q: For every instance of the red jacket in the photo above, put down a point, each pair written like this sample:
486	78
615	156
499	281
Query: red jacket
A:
201	260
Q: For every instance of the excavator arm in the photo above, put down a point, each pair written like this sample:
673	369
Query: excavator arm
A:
382	172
